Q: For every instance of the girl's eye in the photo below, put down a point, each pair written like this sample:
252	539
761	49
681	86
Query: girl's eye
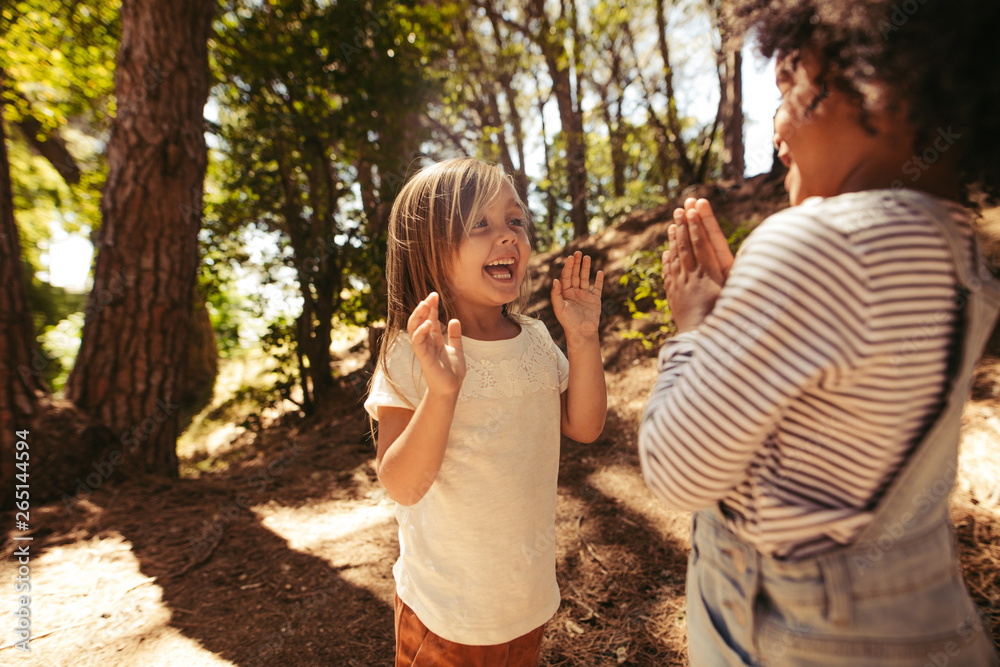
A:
480	224
517	222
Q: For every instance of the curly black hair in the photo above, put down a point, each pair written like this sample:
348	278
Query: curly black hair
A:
936	56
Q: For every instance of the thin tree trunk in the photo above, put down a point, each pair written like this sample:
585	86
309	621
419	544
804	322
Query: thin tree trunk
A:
520	176
731	106
551	205
325	269
22	389
128	371
556	59
685	170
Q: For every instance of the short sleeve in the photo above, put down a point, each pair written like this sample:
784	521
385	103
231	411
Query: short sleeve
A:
562	363
403	386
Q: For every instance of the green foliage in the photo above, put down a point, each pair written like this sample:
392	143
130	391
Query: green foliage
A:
324	109
280	343
60	344
59	61
315	99
221	255
642	278
739	234
58	64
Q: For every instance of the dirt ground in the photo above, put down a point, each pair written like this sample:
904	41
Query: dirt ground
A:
280	551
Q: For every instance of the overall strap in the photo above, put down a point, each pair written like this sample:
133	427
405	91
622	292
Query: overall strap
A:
918	494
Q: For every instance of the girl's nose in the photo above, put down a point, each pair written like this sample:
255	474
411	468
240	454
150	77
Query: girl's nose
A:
507	235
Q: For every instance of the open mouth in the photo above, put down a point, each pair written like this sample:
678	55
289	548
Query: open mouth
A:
500	269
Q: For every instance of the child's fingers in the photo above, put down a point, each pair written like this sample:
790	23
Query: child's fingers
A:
417	317
574	276
426	311
716	238
679	217
569	268
421	333
669	269
684	251
455	335
598	284
433	299
704	254
585	272
556	293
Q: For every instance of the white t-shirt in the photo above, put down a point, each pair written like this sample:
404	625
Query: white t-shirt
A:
477	552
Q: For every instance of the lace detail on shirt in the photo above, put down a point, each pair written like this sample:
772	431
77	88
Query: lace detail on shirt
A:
536	370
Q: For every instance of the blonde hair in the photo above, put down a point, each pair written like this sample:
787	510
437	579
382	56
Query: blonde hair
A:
429	219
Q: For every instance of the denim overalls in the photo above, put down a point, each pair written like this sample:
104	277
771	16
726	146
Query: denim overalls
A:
894	597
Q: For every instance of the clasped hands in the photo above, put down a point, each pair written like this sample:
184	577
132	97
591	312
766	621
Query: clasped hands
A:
696	264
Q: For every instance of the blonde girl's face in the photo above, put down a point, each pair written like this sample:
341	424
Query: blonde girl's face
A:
492	259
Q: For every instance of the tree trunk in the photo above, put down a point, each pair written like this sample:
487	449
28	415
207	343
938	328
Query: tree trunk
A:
730	67
128	372
731	106
492	78
551	204
22	388
672	128
520	176
616	139
557	61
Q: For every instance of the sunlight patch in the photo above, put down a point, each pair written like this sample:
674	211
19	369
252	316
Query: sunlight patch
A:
308	528
979	457
358	540
91	604
625	484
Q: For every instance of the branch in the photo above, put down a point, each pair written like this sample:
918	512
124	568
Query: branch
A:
52	148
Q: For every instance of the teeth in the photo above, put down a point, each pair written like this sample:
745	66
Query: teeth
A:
501	262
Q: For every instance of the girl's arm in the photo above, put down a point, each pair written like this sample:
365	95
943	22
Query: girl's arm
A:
788	316
411	443
577	306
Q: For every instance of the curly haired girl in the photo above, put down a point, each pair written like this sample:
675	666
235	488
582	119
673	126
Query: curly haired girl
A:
809	410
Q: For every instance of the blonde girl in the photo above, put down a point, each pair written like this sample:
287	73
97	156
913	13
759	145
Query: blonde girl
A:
470	413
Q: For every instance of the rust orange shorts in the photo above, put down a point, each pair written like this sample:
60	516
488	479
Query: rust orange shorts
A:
416	646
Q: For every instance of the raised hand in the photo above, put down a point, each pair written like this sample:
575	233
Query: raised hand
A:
700	210
442	361
696	265
577	303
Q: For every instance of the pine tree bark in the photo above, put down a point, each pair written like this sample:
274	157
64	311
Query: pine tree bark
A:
128	373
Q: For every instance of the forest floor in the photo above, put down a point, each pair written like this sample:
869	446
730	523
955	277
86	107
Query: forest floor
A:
276	544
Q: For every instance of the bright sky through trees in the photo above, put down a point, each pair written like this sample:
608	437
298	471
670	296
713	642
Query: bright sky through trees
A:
69	255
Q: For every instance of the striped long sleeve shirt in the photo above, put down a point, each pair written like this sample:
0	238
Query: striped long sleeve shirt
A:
822	364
